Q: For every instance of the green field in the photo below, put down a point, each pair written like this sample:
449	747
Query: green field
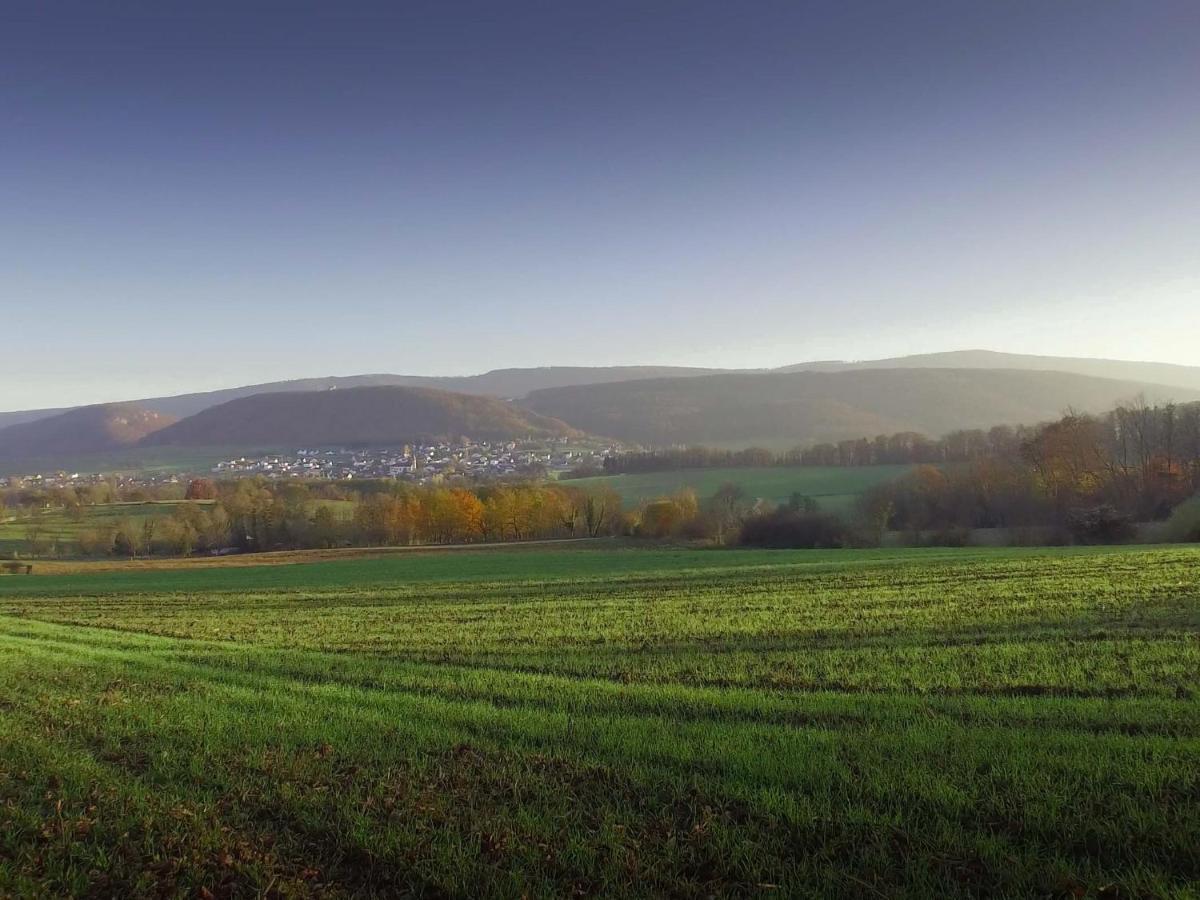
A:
61	529
608	723
835	487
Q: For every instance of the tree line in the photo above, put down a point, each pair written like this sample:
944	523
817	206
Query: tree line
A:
27	498
903	447
257	515
1085	477
1082	479
1134	429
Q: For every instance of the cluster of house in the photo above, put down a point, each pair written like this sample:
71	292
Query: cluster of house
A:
423	462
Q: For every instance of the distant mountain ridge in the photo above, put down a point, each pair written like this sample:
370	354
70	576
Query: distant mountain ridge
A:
503	383
88	429
795	407
362	415
1150	372
517	383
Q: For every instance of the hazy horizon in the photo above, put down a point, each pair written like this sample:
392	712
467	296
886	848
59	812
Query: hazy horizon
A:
97	396
211	197
653	364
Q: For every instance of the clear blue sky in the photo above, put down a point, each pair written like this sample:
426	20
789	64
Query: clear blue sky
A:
207	194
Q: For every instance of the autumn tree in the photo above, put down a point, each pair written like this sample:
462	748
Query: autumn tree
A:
729	507
601	509
665	516
324	527
1068	457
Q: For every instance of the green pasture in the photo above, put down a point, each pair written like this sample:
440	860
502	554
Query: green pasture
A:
835	487
583	561
608	723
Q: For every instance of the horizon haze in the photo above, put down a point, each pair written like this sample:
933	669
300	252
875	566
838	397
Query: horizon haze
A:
516	382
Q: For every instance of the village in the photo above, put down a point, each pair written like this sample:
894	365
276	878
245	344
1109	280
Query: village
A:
425	462
420	463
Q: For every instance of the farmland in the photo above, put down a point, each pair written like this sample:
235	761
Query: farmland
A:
59	529
834	487
608	721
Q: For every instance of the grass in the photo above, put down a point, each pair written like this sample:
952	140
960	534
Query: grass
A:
835	487
369	568
608	722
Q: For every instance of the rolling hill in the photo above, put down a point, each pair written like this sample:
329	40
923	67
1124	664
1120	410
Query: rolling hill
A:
503	383
88	429
648	403
518	383
778	409
362	415
1125	370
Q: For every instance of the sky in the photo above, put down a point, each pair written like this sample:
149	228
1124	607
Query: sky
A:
203	195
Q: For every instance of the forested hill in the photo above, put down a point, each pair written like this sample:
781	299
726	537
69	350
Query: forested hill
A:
502	383
517	383
788	408
88	429
367	415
